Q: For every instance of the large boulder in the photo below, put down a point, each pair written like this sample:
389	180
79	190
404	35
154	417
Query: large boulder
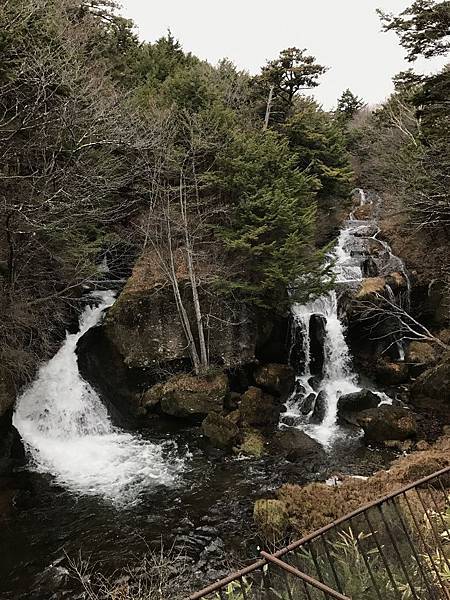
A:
434	383
356	402
420	353
259	409
387	423
295	444
220	431
271	518
390	373
307	404
276	379
187	396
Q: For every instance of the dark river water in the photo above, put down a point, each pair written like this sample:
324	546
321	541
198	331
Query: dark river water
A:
206	513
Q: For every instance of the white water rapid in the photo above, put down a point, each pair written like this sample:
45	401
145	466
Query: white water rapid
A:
68	433
338	377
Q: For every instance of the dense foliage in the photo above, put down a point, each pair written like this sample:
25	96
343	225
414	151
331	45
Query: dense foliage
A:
112	147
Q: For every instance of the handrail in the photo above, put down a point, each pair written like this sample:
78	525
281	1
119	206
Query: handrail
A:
275	557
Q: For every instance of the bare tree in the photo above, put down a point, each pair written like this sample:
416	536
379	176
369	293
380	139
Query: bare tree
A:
401	326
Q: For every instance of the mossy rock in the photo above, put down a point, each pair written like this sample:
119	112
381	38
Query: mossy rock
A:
220	431
387	423
271	518
259	409
253	443
186	396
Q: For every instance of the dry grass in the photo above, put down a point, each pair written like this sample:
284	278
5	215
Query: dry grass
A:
315	505
160	575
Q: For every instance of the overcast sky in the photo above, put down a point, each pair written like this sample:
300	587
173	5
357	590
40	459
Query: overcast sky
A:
344	35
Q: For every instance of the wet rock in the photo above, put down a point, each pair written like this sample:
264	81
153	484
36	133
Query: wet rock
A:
271	518
363	212
320	408
317	334
387	423
356	402
152	397
220	431
420	353
11	448
369	268
276	379
192	396
391	373
315	382
253	443
307	404
295	444
258	408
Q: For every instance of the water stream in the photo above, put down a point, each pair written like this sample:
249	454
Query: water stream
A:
352	248
67	431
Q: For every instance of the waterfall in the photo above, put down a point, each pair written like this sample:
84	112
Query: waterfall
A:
338	377
68	434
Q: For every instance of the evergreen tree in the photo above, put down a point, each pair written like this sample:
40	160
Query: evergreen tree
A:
348	105
269	235
423	28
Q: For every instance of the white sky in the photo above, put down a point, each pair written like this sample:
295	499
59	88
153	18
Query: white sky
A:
344	35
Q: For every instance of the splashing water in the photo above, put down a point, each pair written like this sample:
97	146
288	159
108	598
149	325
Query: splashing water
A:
68	433
338	376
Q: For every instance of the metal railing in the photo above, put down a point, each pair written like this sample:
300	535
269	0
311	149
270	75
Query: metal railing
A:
397	547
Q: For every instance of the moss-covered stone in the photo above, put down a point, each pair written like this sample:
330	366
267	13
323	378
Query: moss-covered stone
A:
253	443
259	409
190	396
220	431
387	423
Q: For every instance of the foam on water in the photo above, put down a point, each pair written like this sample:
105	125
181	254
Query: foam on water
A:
68	433
338	376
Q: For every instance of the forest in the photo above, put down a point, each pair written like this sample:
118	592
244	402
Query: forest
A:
211	201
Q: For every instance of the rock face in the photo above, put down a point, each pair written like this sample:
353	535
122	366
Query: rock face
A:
259	409
145	327
317	334
276	379
296	445
11	448
222	432
387	423
434	383
356	402
187	396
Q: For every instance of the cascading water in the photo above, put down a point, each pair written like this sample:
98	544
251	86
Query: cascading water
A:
338	378
68	433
